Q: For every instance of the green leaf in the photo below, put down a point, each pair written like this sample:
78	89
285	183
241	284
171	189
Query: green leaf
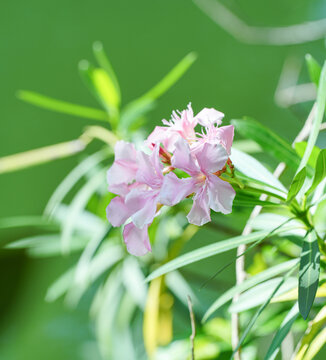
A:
320	172
102	88
247	284
320	109
268	140
300	148
171	78
210	250
314	69
72	178
258	294
61	106
257	314
308	273
316	345
255	170
42	155
104	62
77	206
296	184
243	200
282	332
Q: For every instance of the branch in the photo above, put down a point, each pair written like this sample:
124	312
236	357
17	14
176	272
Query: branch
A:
193	328
279	36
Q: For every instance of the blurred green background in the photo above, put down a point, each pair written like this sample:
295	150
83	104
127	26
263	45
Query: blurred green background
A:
41	43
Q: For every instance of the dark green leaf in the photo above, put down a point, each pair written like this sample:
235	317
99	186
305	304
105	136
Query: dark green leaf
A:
308	273
297	184
268	140
282	332
320	172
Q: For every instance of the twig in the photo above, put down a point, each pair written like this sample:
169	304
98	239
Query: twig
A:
193	328
240	262
279	36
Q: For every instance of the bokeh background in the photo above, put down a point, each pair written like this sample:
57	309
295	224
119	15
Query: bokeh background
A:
41	43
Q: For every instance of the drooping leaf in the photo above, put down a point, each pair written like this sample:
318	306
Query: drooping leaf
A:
320	172
247	284
308	273
296	184
258	294
314	69
211	250
254	169
320	109
40	156
282	332
60	106
300	148
268	140
72	178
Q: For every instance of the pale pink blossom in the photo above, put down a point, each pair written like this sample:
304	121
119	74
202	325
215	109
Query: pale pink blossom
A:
210	192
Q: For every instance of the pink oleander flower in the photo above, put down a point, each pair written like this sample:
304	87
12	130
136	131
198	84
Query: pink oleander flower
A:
143	183
210	191
139	189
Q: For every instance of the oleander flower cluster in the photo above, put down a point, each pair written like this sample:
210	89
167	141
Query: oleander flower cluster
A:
178	162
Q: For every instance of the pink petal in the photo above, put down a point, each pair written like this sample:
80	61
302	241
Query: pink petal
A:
117	212
211	158
182	158
136	240
200	213
125	166
143	205
221	194
150	169
208	117
226	134
174	189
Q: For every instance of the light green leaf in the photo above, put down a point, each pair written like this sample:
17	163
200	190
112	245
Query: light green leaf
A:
210	250
320	172
282	332
308	273
296	184
320	109
316	345
61	106
42	155
77	206
258	294
27	221
254	169
72	178
300	148
104	62
314	69
247	284
171	78
268	140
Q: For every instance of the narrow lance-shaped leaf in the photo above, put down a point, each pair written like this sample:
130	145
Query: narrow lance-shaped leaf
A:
42	155
211	250
282	333
308	273
296	184
268	140
300	148
314	69
60	106
320	172
247	284
320	109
